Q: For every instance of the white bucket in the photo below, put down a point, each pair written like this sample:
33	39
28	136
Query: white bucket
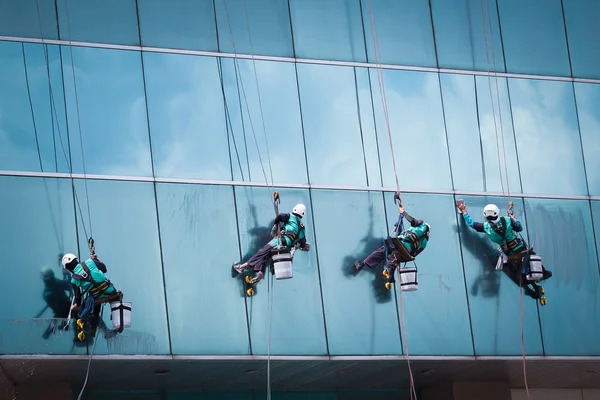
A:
408	279
282	263
535	272
115	314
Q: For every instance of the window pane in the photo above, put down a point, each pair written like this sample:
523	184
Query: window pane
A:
548	139
300	296
178	24
462	125
197	242
533	34
403	29
187	117
259	27
21	18
367	321
461	34
581	19
494	298
337	20
436	316
561	231
418	132
18	148
331	125
280	108
48	202
596	223
497	135
108	21
367	126
112	111
124	227
588	108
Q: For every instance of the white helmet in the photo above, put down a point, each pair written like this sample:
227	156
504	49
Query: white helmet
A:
299	210
67	258
491	212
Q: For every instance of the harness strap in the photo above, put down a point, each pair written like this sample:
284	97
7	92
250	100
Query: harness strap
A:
413	240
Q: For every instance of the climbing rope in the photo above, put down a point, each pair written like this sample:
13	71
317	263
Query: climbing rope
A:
381	82
509	203
87	373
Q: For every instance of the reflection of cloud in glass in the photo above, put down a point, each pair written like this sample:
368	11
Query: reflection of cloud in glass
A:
548	137
588	105
417	125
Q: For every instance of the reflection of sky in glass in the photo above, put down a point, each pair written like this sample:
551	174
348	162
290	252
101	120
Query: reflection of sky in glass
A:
110	21
199	243
187	117
417	126
494	299
339	21
48	204
581	19
533	34
561	231
20	18
588	107
436	315
497	120
459	34
269	22
178	24
331	126
18	150
124	227
403	29
547	134
112	111
283	126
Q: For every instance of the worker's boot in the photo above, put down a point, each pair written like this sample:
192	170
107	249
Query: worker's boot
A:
258	277
237	267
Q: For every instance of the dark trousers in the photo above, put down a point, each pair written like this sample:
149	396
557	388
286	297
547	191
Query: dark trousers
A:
260	258
375	258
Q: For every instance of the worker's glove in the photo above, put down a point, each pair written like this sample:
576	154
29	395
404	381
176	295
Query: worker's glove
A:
306	247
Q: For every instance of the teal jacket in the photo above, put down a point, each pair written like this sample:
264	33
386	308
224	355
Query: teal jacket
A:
416	237
501	232
97	276
293	231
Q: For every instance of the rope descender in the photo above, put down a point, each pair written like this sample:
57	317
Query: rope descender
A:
276	201
511	207
91	245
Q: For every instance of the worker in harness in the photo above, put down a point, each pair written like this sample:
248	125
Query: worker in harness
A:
413	241
88	281
291	233
514	250
56	294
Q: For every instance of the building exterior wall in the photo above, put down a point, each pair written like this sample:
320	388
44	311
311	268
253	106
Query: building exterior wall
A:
153	106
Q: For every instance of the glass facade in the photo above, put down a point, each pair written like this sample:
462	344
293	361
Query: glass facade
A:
172	130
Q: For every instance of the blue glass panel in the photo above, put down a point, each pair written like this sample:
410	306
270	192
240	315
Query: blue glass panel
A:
258	26
417	125
28	18
18	147
365	322
282	152
596	223
462	34
367	126
187	117
497	136
197	238
178	24
403	32
331	125
206	395
533	34
112	111
124	227
581	19
48	204
494	296
109	21
561	231
462	126
339	21
588	109
299	297
548	138
436	316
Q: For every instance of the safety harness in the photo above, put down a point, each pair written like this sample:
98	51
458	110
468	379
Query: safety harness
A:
509	245
97	288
